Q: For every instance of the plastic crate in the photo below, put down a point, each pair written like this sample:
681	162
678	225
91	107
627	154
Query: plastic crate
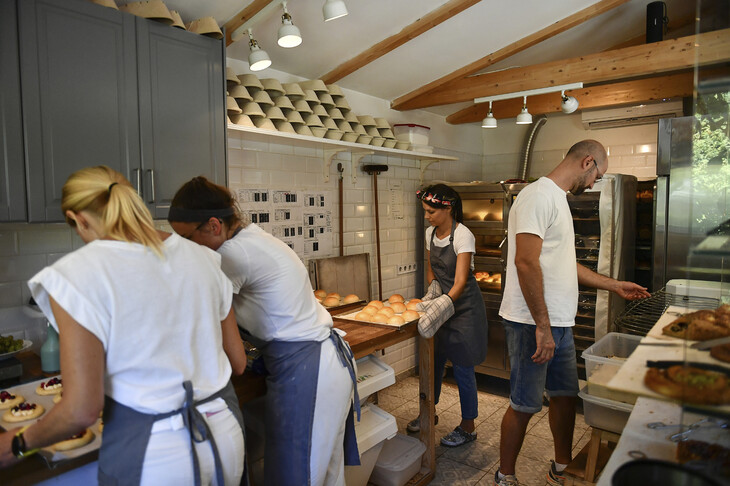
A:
603	413
372	375
399	461
604	358
374	427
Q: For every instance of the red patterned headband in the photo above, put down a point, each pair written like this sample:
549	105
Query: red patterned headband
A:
436	199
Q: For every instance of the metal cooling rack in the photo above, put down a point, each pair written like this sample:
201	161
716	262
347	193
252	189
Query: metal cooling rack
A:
640	316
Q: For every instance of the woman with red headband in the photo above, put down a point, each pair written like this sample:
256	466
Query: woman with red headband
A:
454	310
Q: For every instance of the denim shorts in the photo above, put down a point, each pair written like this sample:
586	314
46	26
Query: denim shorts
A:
528	380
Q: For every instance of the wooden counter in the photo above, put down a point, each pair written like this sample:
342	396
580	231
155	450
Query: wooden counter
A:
363	339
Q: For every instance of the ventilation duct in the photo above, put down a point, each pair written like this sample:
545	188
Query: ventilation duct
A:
630	115
529	145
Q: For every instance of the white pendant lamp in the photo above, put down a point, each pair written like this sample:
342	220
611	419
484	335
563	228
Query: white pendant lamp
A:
489	121
524	118
568	103
333	9
258	59
289	35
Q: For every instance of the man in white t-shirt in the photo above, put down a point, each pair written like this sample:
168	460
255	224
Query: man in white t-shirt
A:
540	302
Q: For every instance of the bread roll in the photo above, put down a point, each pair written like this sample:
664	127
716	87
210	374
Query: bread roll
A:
362	316
370	310
335	295
396	298
417	301
412	305
397	320
398	307
376	303
380	318
320	294
410	315
387	311
349	299
331	301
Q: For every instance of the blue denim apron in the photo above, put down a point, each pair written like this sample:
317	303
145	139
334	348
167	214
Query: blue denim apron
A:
127	433
291	393
463	338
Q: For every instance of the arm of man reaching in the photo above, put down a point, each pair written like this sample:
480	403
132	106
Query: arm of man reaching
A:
527	260
627	290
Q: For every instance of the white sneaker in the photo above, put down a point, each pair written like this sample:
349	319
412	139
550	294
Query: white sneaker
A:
507	479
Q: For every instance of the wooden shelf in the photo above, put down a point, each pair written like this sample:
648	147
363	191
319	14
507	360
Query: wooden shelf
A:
331	148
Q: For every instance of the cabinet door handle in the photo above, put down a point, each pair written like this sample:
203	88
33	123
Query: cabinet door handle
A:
137	176
151	172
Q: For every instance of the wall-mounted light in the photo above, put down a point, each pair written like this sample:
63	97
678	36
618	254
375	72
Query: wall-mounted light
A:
333	9
258	58
489	121
568	103
524	118
289	35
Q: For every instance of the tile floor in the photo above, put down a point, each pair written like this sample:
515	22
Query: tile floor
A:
476	462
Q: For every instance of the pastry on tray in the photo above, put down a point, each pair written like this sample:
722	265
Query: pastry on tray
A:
8	400
50	387
701	325
75	441
689	384
23	411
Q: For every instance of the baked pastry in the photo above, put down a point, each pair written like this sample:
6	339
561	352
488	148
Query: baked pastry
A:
50	387
412	305
320	294
370	309
58	397
379	318
721	352
396	298
362	316
23	411
398	307
387	311
700	325
689	384
697	450
349	299
331	301
410	315
334	295
376	303
396	320
8	400
75	441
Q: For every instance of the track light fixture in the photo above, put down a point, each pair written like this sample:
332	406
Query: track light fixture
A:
258	59
333	9
289	35
489	121
524	118
568	103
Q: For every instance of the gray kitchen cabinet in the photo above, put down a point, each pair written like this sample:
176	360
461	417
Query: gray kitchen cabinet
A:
97	89
12	184
182	112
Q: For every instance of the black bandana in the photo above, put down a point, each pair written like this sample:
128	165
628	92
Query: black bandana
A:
184	215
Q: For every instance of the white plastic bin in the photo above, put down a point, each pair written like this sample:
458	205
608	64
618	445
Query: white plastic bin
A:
411	132
603	413
424	149
372	375
604	358
398	462
374	427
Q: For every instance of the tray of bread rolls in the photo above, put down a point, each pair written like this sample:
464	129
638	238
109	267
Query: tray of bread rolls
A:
28	403
394	313
337	304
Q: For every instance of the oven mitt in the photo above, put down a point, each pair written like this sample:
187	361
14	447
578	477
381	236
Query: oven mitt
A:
437	311
434	290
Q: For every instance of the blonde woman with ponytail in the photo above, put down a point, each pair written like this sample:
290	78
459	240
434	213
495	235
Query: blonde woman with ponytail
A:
146	333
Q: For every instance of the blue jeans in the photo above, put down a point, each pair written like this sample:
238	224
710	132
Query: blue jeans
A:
466	380
528	380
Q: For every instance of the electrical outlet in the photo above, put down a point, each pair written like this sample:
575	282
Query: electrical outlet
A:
406	268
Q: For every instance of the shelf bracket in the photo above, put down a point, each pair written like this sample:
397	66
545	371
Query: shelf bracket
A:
329	155
356	157
424	165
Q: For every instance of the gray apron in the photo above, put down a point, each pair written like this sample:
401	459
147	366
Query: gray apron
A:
463	338
291	393
127	433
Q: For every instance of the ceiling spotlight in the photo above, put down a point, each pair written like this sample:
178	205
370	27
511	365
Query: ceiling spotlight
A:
333	9
489	121
289	35
258	59
568	104
524	118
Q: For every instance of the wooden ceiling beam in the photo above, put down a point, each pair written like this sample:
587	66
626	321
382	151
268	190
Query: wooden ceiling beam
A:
613	94
241	17
425	23
630	62
507	51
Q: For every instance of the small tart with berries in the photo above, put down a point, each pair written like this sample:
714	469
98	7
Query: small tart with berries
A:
8	400
50	387
57	397
23	411
75	441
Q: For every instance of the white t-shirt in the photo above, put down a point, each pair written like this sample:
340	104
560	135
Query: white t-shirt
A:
464	241
273	297
542	209
159	319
